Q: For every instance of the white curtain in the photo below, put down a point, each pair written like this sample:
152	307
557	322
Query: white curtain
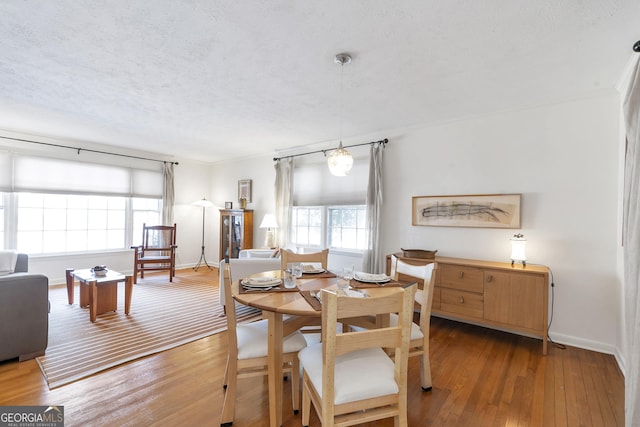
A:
372	258
631	242
168	196
284	198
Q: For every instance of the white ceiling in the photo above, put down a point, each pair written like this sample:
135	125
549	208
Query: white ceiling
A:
215	80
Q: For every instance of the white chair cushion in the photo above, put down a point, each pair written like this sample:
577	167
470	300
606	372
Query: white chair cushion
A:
416	333
252	340
361	374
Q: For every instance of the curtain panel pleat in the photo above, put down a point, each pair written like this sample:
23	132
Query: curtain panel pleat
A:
168	194
372	258
284	198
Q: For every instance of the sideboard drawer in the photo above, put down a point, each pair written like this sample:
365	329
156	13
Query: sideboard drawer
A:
461	302
461	277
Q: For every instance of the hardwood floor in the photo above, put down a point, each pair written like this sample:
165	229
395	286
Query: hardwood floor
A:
481	377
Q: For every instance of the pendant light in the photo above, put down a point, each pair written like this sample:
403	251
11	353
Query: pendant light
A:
340	160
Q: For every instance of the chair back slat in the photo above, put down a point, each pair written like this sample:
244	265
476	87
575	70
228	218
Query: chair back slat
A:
287	256
158	237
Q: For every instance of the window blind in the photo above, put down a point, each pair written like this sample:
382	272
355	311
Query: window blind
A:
313	184
43	174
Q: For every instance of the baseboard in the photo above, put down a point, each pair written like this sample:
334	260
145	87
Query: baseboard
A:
586	344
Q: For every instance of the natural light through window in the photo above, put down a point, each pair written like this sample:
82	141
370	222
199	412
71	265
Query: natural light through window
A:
347	227
337	227
63	223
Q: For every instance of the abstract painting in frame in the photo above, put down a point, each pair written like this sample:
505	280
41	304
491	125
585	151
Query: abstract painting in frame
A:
482	210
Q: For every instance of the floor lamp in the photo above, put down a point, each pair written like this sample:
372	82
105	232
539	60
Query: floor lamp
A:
204	203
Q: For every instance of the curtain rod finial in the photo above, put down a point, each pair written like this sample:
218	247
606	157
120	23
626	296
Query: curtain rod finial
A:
636	46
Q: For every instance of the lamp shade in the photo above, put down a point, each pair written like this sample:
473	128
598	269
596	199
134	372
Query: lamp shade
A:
202	203
340	161
518	245
269	221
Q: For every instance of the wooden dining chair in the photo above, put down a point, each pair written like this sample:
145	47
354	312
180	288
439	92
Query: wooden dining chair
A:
419	346
287	256
247	347
157	251
348	377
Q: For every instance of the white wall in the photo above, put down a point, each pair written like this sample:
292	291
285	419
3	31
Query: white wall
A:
564	160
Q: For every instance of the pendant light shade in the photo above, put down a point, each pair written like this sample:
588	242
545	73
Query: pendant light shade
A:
340	161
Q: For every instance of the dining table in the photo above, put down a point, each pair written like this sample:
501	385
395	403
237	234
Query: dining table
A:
288	310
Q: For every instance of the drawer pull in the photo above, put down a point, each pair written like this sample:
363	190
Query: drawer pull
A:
489	278
460	275
461	300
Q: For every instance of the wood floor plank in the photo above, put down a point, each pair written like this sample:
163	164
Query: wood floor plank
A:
481	377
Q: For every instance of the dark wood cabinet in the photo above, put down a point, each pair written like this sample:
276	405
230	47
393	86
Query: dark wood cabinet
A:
236	232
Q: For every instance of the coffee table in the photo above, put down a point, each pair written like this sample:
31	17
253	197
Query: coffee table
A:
100	293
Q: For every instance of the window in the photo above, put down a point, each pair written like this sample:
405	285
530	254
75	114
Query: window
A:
307	226
61	223
347	227
145	211
47	209
336	227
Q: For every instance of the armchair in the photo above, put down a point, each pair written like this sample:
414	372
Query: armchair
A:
157	252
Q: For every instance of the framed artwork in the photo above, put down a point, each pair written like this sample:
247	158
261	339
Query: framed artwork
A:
228	205
483	210
244	189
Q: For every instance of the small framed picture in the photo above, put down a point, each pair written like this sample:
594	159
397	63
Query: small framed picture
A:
228	205
244	190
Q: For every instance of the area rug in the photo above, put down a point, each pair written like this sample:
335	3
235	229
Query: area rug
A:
163	315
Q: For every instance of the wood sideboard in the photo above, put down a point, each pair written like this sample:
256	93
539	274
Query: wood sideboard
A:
493	294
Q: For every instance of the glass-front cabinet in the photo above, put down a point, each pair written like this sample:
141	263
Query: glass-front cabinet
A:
236	232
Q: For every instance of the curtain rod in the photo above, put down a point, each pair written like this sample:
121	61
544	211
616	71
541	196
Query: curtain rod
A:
78	149
324	152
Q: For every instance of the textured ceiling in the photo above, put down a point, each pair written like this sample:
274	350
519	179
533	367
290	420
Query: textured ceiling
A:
214	80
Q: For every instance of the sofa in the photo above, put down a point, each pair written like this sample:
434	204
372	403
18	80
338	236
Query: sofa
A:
250	261
24	312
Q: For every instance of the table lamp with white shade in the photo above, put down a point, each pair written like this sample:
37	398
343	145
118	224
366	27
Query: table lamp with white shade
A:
269	222
518	245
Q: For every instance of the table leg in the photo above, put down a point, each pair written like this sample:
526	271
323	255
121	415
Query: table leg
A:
69	276
128	289
93	297
274	362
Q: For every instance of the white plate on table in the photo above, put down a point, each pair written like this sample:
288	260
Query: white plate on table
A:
258	288
261	282
312	269
371	278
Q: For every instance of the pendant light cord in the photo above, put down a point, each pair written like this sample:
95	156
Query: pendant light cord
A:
341	97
